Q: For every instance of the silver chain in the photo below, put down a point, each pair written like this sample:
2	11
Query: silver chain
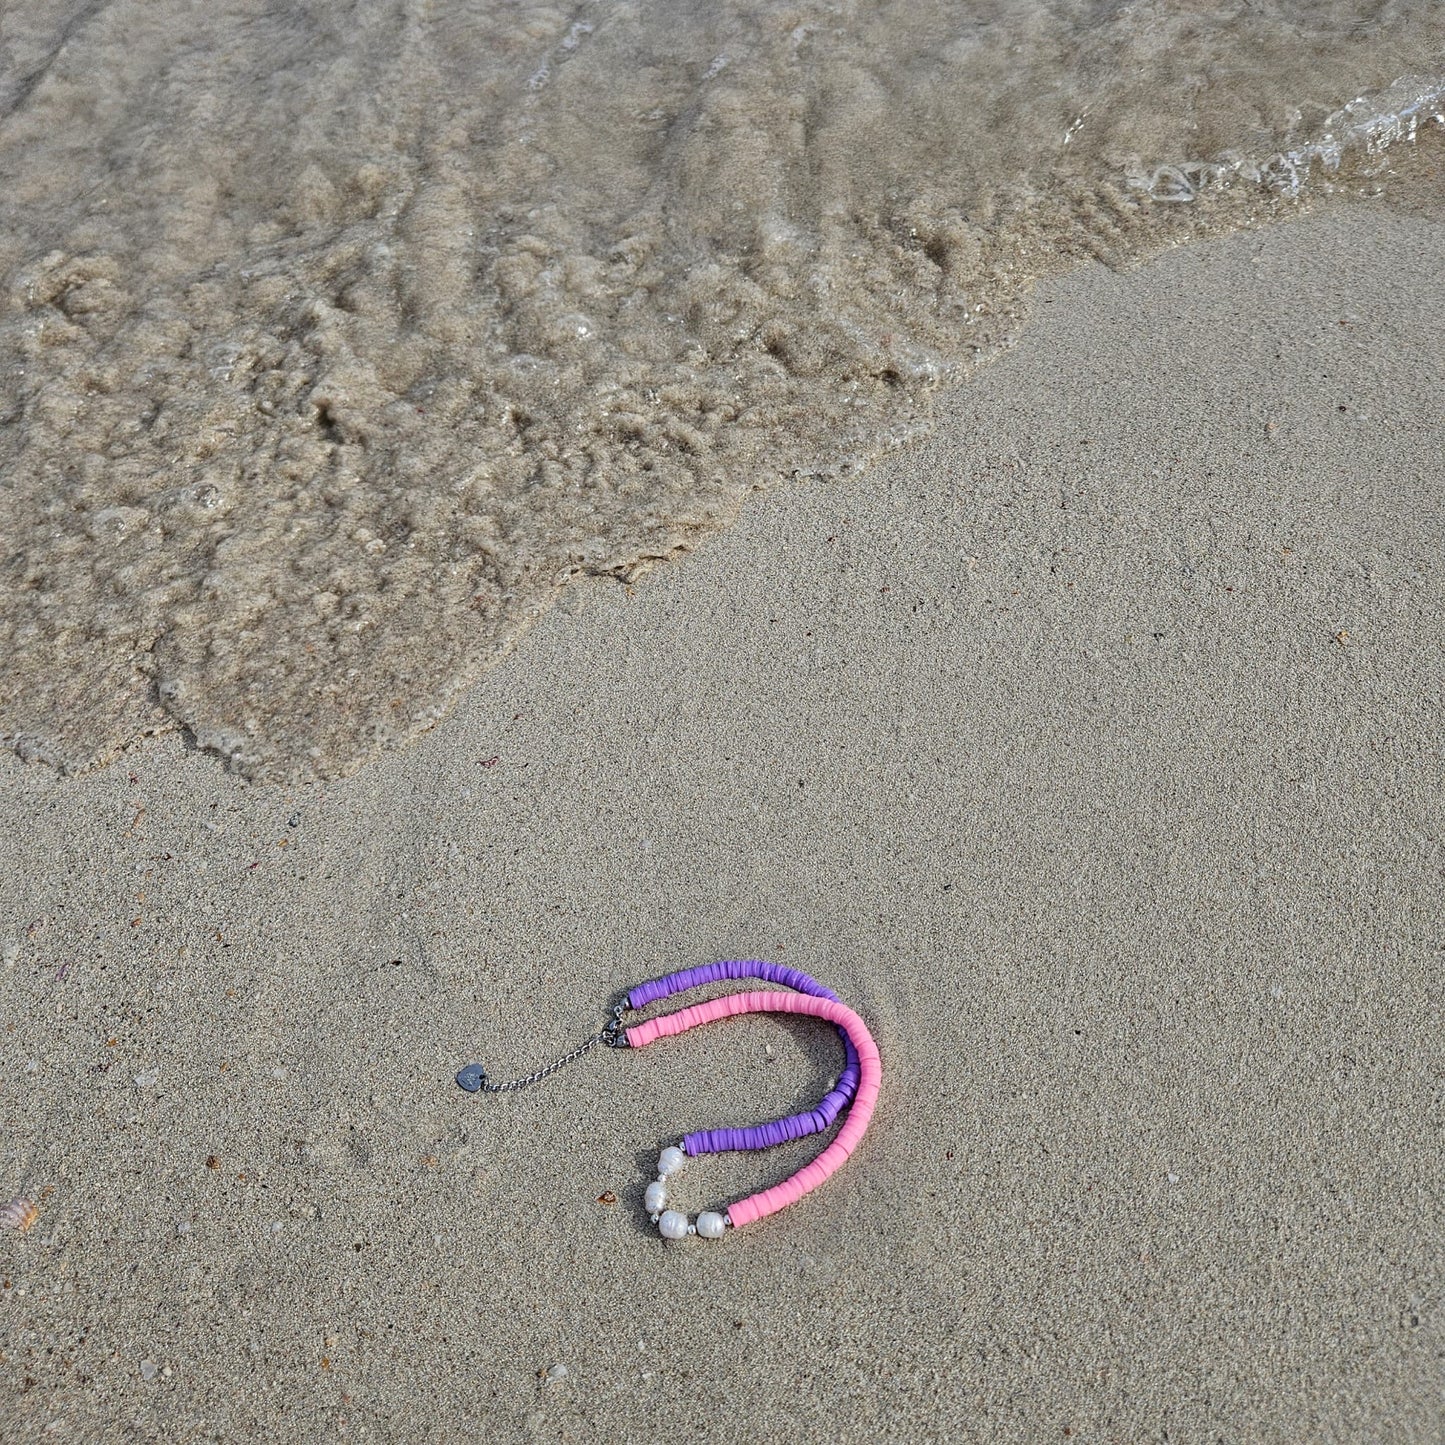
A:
544	1072
612	1035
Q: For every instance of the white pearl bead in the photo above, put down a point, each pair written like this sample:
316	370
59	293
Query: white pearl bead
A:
711	1225
655	1199
670	1160
673	1225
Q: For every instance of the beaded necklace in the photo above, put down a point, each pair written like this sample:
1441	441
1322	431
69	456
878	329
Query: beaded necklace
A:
856	1089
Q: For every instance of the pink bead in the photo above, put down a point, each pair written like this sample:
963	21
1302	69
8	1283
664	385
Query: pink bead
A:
810	1176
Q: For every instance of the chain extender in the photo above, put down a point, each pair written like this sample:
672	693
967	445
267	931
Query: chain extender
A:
474	1078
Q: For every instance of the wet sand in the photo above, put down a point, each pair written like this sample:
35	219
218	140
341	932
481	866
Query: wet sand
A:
1090	749
336	342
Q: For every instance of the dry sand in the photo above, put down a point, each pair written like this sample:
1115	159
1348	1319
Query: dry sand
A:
1092	750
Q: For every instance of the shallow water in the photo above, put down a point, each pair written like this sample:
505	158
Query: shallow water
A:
334	344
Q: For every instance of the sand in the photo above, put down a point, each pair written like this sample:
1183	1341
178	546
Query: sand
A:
1090	749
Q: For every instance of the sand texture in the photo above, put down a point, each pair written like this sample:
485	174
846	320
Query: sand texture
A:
1091	750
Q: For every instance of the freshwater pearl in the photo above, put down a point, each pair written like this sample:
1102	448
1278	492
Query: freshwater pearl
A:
672	1225
656	1197
670	1160
711	1225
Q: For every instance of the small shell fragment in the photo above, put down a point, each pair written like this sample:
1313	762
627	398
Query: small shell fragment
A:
19	1215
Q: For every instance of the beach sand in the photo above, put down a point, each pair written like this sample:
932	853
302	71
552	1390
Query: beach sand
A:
1091	750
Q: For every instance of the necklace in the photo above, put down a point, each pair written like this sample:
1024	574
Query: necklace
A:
856	1089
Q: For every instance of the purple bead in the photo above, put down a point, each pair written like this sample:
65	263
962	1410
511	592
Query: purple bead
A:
779	1131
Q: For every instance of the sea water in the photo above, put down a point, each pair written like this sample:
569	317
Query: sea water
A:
337	338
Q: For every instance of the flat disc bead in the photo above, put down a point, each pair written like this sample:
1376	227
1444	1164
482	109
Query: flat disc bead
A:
672	1225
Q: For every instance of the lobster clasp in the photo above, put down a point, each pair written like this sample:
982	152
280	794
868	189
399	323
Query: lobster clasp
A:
612	1031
